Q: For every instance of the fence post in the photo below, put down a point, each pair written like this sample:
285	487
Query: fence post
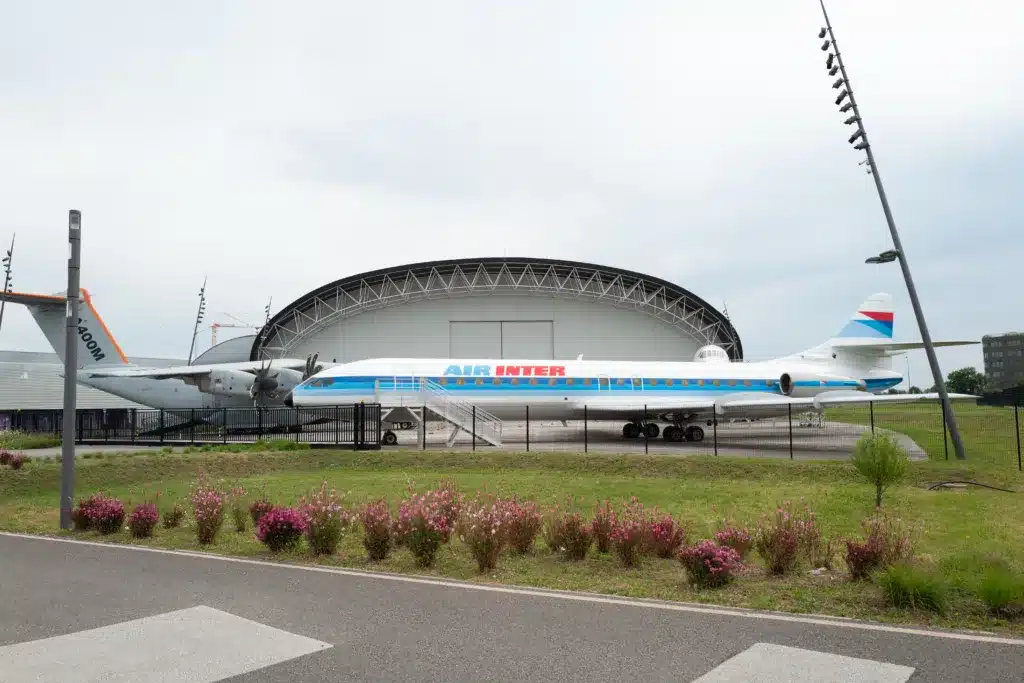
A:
1016	423
337	425
295	412
355	426
871	407
585	430
945	441
789	410
106	424
474	428
161	425
645	429
423	426
192	429
714	421
135	422
527	429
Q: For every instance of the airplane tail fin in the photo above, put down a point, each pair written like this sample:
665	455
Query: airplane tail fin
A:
873	320
96	345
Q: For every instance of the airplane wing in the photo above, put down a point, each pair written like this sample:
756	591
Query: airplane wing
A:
180	371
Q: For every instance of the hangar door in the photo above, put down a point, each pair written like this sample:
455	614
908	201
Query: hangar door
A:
502	339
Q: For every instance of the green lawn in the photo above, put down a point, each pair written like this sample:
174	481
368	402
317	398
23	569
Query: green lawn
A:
989	433
963	529
19	441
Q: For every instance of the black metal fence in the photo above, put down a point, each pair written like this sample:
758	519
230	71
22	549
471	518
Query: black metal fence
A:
345	426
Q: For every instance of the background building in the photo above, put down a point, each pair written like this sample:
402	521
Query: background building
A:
498	308
1004	360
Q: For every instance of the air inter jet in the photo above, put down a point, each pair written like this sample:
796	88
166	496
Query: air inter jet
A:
852	367
103	365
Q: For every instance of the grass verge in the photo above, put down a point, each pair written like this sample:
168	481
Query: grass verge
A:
20	441
959	526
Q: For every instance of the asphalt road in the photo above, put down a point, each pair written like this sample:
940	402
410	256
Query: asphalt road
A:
208	619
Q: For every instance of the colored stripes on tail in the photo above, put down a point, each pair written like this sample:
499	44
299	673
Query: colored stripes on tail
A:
873	320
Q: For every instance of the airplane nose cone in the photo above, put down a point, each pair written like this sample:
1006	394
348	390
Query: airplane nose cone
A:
288	400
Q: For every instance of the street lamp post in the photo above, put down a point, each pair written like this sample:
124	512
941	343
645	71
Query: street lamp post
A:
834	63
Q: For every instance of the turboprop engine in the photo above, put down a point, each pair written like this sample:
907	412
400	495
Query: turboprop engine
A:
803	384
246	385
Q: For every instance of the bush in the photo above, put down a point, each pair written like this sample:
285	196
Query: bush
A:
888	541
425	525
106	515
907	587
710	565
777	540
629	535
238	512
17	461
326	519
602	525
522	524
1003	592
553	529
736	538
666	536
881	460
377	532
863	558
142	520
174	516
208	510
482	528
259	508
5	457
574	536
281	528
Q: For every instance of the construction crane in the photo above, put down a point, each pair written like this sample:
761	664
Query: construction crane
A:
241	323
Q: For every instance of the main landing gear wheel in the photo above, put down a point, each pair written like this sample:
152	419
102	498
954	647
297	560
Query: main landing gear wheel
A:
631	430
651	430
390	438
673	433
694	433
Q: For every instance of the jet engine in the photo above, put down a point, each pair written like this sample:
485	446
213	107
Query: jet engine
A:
803	384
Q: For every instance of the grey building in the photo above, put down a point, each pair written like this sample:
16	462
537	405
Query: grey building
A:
1004	360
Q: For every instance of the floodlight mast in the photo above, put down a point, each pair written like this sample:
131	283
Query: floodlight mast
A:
901	254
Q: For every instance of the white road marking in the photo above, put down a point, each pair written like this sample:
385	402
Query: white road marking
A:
194	645
840	622
767	663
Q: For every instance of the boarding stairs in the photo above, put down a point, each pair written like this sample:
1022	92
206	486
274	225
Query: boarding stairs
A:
412	393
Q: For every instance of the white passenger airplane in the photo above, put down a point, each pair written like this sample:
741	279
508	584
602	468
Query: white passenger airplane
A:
103	365
849	368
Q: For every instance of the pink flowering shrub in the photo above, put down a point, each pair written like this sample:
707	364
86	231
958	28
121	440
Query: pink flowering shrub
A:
208	510
573	534
482	528
16	461
281	528
602	525
777	543
174	516
666	536
143	519
888	542
425	524
710	565
258	508
106	515
5	457
326	519
630	532
522	524
81	516
377	529
737	538
552	529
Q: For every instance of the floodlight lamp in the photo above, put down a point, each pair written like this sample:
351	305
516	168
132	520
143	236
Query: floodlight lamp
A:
858	134
846	107
824	46
833	71
861	145
838	83
842	95
822	32
831	58
852	119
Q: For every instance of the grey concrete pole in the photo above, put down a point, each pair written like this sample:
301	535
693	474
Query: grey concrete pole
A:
933	361
67	469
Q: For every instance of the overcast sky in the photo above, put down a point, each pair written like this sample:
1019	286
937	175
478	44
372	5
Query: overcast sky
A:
275	147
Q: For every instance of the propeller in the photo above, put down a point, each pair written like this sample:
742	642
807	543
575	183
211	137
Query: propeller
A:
311	367
263	382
